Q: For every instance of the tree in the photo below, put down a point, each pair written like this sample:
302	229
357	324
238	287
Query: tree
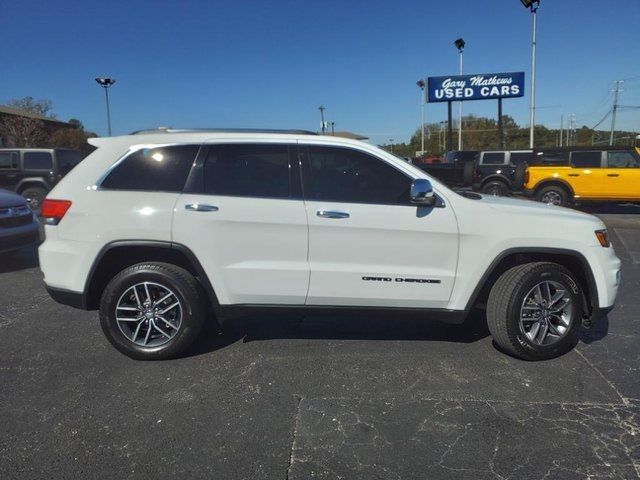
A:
31	105
73	138
26	132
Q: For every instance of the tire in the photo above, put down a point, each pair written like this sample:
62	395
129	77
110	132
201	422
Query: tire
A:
495	188
467	173
34	197
506	305
518	177
182	323
553	195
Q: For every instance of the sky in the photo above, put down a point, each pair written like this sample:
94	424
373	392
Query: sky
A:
271	63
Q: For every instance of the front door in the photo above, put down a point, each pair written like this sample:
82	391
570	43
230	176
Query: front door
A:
245	221
368	245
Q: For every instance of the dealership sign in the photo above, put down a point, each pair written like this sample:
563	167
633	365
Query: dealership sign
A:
484	86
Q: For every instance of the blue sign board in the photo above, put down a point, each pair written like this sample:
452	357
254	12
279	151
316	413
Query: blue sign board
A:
481	86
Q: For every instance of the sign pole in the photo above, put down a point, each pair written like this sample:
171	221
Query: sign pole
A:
449	127
500	133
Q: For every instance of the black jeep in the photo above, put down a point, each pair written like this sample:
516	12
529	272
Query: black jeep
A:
33	172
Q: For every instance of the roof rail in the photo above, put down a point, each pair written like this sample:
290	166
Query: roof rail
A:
221	130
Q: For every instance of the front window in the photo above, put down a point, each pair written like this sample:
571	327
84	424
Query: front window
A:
622	160
350	176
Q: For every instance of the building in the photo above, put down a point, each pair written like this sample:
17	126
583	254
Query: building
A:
50	124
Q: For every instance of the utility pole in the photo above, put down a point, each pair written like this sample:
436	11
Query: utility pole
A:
322	125
615	110
561	128
333	129
534	5
391	144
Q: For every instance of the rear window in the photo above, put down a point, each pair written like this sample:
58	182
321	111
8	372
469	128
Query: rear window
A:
519	158
8	160
163	169
493	158
586	159
550	157
67	159
37	161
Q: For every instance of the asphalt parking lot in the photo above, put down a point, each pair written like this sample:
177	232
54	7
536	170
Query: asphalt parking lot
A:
298	398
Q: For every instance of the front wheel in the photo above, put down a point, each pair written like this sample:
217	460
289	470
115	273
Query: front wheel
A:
152	311
534	311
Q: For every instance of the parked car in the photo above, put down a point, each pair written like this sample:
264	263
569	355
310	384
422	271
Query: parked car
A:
19	227
157	230
500	172
455	170
33	172
560	176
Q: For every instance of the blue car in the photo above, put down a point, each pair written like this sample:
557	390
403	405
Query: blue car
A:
19	227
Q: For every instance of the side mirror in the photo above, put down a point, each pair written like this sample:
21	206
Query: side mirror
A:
422	192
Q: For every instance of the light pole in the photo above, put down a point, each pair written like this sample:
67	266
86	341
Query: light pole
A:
460	44
322	125
106	82
391	144
422	85
532	5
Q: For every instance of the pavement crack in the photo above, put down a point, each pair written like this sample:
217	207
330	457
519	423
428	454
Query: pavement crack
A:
625	401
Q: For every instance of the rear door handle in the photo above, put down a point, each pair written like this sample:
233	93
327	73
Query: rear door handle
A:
200	207
574	174
613	174
332	214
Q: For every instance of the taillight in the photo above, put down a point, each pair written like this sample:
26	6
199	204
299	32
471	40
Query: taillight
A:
53	210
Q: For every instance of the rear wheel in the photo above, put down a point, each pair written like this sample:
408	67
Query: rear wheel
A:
534	311
495	188
553	195
152	311
34	197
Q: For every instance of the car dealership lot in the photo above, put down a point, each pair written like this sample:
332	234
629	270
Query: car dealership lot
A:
317	397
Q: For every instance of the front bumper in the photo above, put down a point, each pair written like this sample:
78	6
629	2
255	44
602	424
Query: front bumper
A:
19	237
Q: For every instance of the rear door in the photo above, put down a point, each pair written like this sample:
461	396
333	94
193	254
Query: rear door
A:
243	217
622	174
368	245
586	175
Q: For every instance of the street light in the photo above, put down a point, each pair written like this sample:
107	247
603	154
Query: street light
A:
106	82
422	85
391	144
460	44
532	5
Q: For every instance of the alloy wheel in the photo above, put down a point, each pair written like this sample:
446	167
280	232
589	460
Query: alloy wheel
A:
552	198
149	314
546	313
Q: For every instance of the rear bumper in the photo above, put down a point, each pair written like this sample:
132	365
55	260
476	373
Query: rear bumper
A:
67	297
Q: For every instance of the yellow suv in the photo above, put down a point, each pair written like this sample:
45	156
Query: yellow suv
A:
558	176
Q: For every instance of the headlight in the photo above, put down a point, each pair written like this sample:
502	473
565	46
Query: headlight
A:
603	237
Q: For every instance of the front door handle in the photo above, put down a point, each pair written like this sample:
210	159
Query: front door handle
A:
331	214
200	207
574	174
613	174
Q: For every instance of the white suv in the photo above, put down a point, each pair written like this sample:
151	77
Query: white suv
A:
163	230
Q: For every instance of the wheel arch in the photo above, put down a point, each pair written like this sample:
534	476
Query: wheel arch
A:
496	177
555	182
573	260
118	255
31	182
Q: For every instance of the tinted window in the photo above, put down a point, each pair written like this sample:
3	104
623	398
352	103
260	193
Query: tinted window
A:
518	158
586	159
344	175
162	169
621	160
493	158
37	161
551	157
67	159
248	171
8	160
